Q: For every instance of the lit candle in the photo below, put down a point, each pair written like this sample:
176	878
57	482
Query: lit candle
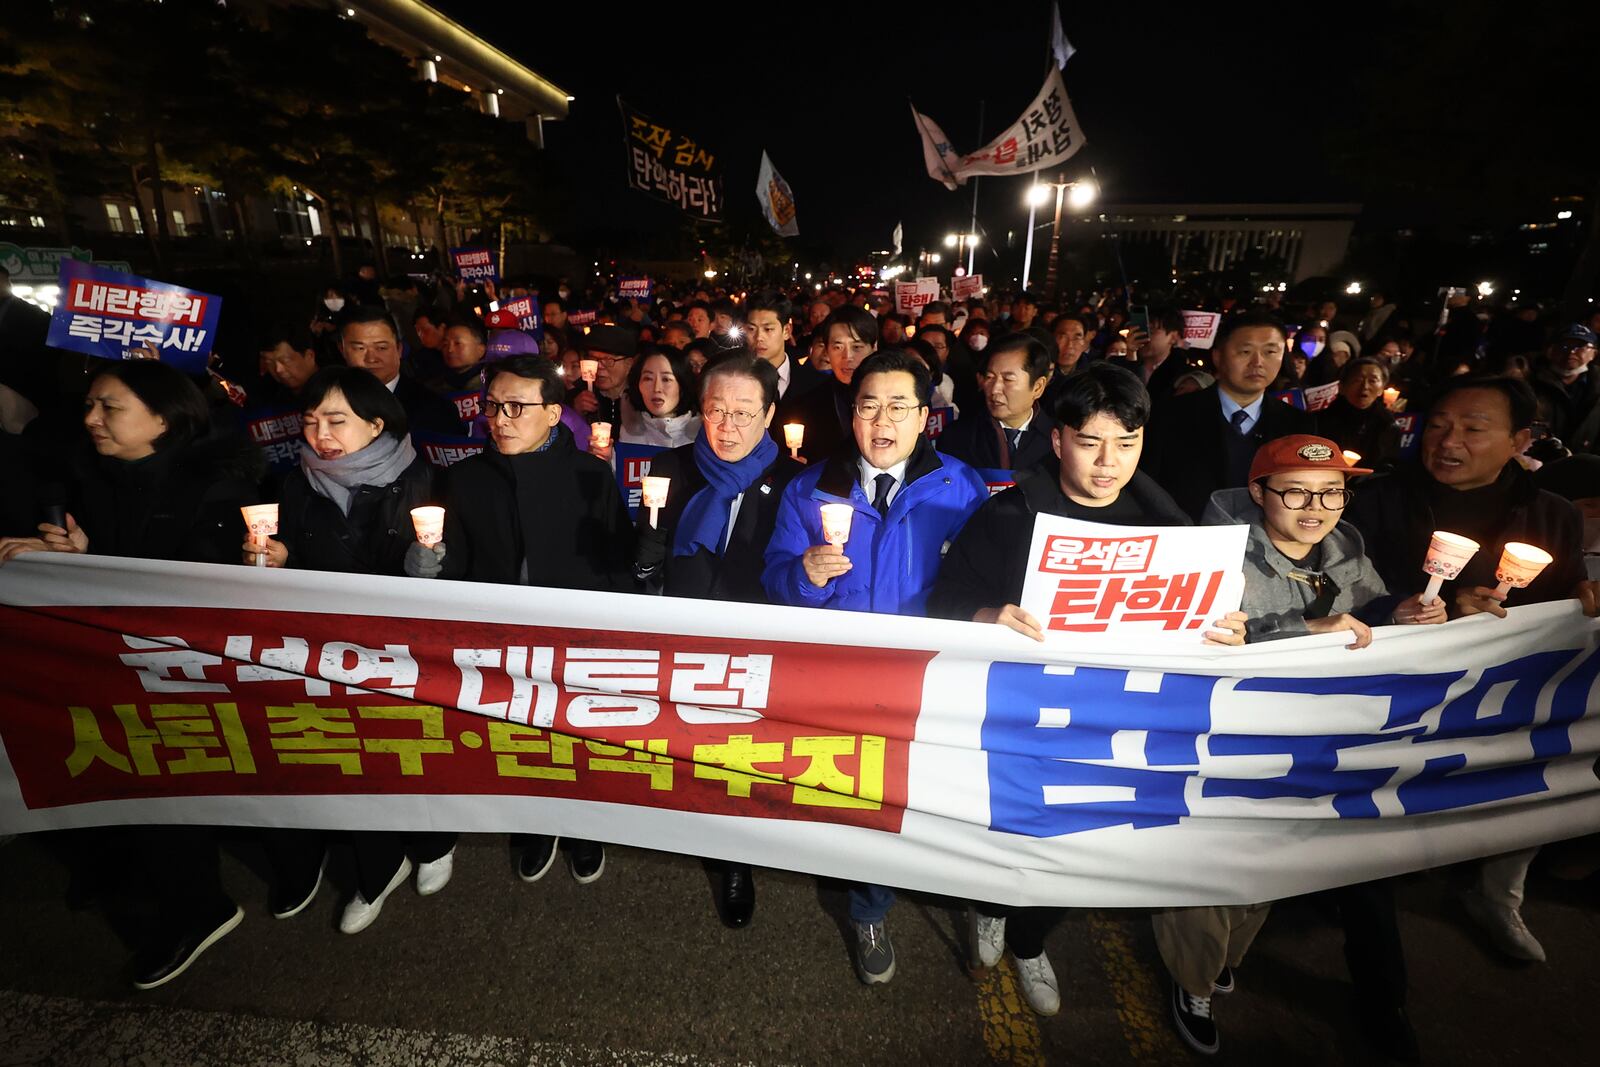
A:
1520	564
654	494
600	435
588	368
1390	395
262	522
1447	554
429	523
1352	458
836	523
794	436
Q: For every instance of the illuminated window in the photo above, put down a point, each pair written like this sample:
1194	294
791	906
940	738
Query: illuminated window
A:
114	218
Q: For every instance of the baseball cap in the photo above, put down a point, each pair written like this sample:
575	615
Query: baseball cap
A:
1300	452
1578	332
507	343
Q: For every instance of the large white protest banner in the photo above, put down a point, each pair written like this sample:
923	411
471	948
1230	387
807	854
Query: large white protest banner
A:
1046	135
954	757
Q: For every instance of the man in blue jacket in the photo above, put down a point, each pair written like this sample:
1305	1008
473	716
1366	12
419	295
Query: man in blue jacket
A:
907	504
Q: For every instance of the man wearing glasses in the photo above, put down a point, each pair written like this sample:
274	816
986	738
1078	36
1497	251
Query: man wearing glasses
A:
1569	389
709	537
613	348
533	510
907	502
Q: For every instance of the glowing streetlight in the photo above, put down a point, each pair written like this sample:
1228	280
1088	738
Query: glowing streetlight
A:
1081	194
950	240
935	258
1563	215
1039	196
710	274
1354	289
1486	289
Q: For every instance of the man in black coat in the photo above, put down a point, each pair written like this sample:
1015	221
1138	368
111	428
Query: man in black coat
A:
1469	483
369	338
1568	388
1014	431
825	411
710	538
1204	441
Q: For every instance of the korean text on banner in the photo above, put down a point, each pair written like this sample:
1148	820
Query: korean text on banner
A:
1200	328
276	431
1160	586
475	264
957	758
519	314
635	287
1046	135
967	287
107	313
633	463
671	166
776	200
1320	396
446	450
911	297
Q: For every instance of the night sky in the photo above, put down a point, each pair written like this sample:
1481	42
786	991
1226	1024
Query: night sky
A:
1178	102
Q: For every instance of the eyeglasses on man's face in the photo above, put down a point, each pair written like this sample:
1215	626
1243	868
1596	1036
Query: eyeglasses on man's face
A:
715	416
513	409
867	410
1300	499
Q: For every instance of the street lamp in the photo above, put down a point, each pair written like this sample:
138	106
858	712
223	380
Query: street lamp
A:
1486	289
950	240
1079	194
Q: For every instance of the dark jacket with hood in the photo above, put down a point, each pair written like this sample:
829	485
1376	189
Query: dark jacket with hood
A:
182	503
372	539
553	518
988	562
1397	514
735	574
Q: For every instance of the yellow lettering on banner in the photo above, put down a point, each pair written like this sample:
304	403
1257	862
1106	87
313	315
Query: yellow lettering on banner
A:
141	738
735	763
823	784
509	739
312	745
649	757
410	750
88	746
191	728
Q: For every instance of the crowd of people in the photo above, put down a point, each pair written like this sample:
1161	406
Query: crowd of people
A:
1094	410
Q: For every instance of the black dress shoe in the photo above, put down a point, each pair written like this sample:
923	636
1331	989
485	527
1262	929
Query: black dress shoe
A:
1388	1029
736	900
165	960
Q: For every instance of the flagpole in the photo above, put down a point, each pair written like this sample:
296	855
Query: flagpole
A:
972	231
1027	252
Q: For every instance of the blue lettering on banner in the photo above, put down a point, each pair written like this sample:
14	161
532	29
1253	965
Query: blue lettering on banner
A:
632	464
1057	766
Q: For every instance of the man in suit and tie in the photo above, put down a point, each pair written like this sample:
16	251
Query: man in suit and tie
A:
1013	432
1204	441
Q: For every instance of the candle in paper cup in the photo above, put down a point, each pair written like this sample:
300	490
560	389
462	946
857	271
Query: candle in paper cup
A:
588	368
262	522
429	524
794	436
1520	564
836	523
654	493
600	435
1352	458
1390	395
1447	554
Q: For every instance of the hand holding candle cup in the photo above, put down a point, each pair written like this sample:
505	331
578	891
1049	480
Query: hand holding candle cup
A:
1390	396
587	369
654	493
836	523
429	523
1447	554
599	435
262	522
794	435
1520	564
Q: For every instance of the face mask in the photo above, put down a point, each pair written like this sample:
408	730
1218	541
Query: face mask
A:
1312	349
564	292
334	303
979	342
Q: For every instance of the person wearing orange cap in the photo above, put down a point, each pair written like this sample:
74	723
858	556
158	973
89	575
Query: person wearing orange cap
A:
1305	572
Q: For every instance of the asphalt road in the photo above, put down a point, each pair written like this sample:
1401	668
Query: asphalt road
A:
635	969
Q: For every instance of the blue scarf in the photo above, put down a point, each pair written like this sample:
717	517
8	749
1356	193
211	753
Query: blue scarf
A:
704	522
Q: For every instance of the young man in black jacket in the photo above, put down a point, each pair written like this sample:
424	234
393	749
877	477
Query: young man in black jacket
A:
825	410
1469	483
1014	432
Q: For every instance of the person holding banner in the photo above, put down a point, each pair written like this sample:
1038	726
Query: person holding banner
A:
152	484
905	502
347	508
1014	431
1095	477
1205	441
1305	573
1469	483
722	503
825	411
533	510
369	338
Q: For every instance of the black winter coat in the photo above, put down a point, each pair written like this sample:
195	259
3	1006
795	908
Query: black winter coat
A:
977	441
1371	434
372	539
734	575
180	504
559	509
825	413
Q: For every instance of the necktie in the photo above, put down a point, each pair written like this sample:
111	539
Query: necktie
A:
885	487
1238	418
1014	436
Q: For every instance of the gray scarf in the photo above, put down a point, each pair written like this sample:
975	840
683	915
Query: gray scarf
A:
378	465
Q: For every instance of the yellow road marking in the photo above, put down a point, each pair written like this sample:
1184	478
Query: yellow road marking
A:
1010	1030
1137	994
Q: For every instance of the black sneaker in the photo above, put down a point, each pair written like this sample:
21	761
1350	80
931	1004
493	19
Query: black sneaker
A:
290	897
874	953
1192	1016
587	861
736	898
1224	982
537	858
163	962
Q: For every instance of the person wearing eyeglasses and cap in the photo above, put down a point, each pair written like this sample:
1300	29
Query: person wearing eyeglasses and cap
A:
1305	572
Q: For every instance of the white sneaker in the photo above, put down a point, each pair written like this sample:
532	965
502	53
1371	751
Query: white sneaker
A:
1504	926
987	937
1039	986
359	913
435	874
